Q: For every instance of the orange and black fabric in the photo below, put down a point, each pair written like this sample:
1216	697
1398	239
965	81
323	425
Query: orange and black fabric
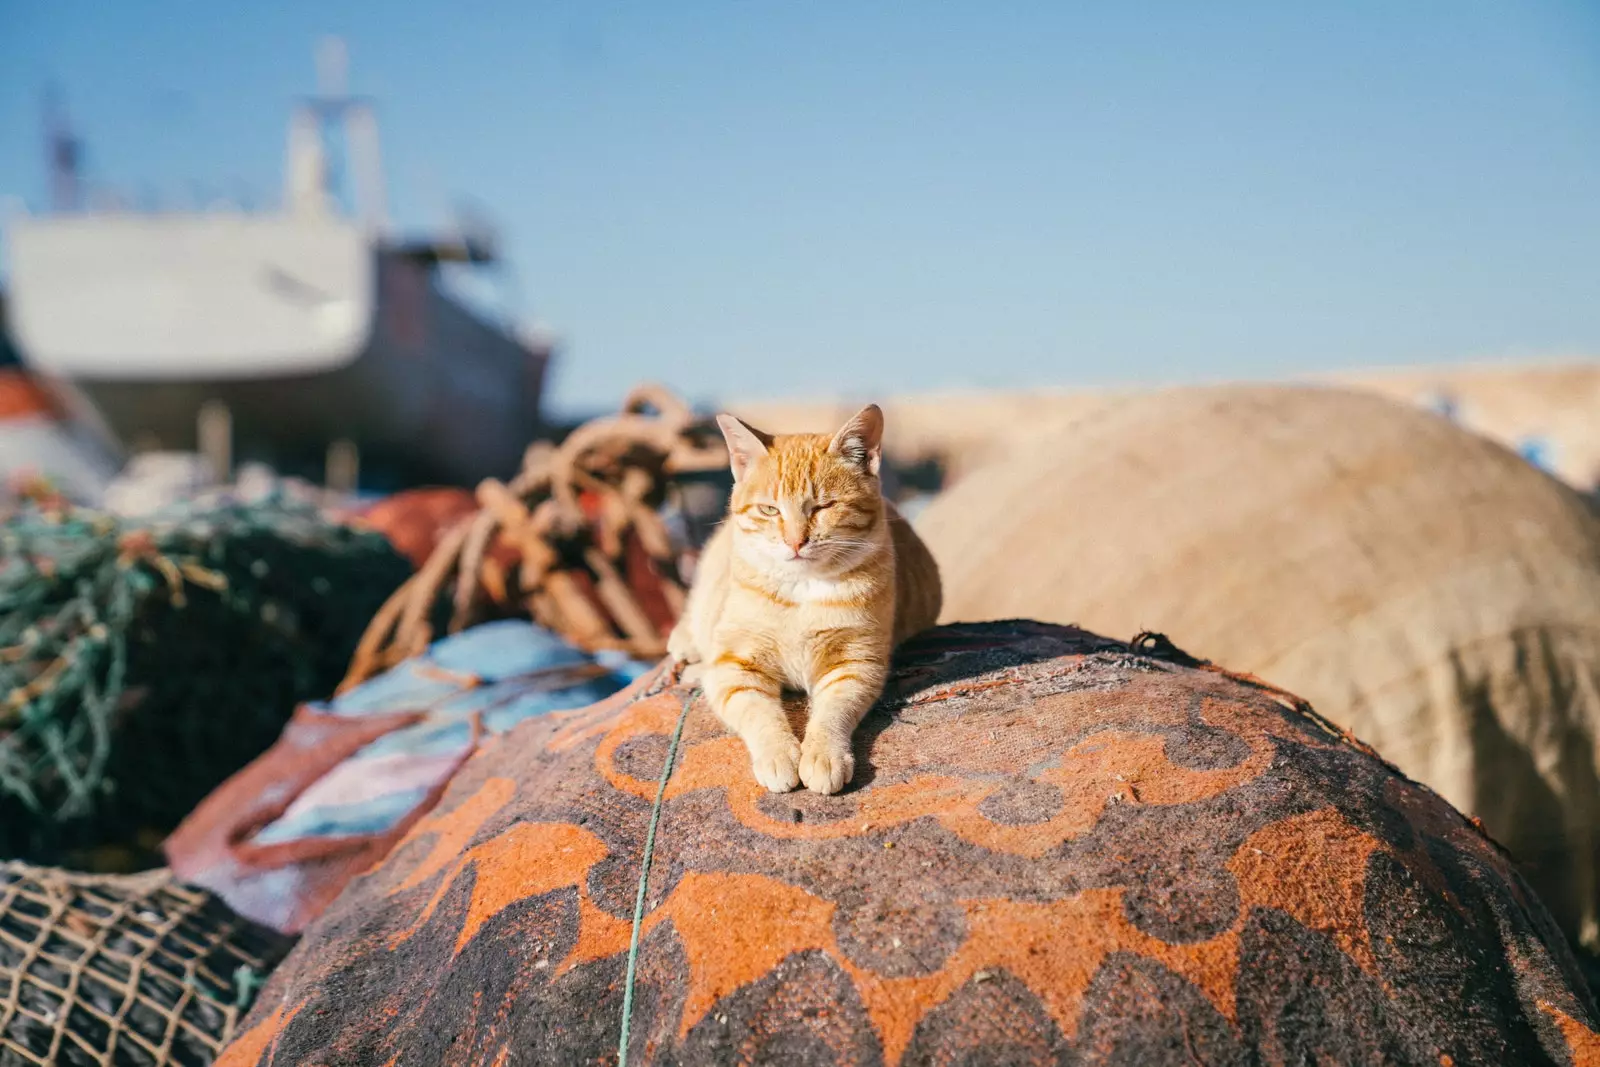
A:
1058	849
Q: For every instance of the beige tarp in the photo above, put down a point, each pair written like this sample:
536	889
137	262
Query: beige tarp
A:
1417	583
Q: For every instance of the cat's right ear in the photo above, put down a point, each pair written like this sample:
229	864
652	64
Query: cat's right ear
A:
745	444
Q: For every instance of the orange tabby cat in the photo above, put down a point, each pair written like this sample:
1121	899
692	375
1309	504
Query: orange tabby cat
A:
809	585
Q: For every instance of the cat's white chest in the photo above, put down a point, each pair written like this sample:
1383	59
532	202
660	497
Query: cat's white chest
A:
810	590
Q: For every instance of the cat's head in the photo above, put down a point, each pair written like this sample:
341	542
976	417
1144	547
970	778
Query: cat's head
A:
806	503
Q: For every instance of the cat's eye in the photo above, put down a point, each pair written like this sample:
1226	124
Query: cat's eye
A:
822	505
768	510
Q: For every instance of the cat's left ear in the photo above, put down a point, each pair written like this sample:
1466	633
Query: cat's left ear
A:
860	442
746	444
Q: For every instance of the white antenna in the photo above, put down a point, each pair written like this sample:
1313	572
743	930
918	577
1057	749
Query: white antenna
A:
305	190
307	182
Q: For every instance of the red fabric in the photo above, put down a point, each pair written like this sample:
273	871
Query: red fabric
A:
642	577
20	396
416	519
638	572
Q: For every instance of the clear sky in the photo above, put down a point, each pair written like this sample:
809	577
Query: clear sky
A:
757	198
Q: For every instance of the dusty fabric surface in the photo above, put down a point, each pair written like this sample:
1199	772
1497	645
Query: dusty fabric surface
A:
1058	850
1421	586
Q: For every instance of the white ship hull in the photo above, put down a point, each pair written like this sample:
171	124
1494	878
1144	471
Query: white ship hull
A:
307	330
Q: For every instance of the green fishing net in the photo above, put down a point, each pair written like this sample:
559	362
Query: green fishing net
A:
142	661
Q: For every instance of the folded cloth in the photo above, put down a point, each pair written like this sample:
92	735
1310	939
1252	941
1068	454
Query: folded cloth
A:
348	777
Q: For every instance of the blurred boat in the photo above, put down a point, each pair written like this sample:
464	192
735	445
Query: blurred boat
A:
41	440
311	338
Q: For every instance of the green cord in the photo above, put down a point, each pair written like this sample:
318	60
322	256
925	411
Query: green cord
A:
644	881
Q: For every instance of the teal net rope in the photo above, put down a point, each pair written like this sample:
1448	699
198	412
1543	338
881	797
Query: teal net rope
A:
644	881
143	661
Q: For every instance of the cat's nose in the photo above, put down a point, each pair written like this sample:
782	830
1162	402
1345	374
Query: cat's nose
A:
796	543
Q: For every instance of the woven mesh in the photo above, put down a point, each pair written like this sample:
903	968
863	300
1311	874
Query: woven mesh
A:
135	970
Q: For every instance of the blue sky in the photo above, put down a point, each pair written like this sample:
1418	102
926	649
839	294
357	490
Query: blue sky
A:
869	198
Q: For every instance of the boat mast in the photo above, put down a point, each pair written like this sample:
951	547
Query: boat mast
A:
308	177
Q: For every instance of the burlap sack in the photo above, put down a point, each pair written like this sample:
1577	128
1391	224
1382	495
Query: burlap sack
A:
1058	849
1419	585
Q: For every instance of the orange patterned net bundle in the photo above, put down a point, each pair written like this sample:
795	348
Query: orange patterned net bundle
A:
1059	848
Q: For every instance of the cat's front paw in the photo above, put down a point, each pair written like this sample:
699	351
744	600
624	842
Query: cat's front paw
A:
826	766
680	644
776	764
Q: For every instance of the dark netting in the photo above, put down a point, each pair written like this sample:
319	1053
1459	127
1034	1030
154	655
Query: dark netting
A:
121	969
144	661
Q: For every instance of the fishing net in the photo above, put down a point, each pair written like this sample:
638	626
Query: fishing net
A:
1058	849
144	661
577	541
120	970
